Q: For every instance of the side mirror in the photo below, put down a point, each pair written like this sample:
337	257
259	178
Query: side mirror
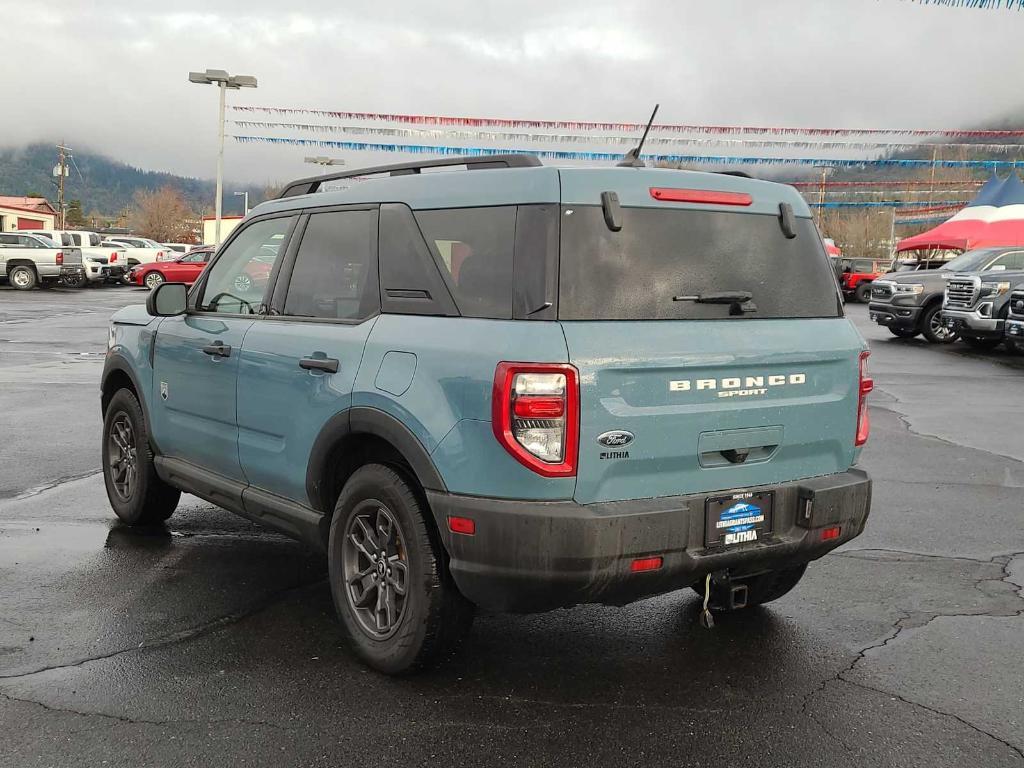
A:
167	300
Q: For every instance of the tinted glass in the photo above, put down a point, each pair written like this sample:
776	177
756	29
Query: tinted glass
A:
76	239
94	240
1013	260
335	272
237	281
661	259
972	260
8	239
473	247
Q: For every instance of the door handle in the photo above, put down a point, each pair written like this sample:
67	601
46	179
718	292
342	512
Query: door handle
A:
326	364
217	349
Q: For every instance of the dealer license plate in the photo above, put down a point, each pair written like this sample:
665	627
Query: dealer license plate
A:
740	518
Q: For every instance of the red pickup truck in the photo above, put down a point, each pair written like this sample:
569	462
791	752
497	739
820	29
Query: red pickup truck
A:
856	275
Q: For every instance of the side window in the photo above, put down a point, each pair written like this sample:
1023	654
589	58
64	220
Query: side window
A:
76	239
29	242
8	241
94	240
65	239
335	272
1013	260
473	247
237	281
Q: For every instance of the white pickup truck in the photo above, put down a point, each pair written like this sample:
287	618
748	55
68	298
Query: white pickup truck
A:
28	260
99	263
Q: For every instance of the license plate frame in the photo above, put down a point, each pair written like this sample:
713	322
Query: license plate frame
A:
741	510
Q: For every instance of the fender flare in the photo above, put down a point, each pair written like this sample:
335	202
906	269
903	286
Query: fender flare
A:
367	421
118	362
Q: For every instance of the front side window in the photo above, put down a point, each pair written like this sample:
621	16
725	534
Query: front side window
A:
335	273
76	239
1014	260
94	240
8	240
474	247
238	280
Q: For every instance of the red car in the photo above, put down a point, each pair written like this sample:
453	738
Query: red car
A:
185	269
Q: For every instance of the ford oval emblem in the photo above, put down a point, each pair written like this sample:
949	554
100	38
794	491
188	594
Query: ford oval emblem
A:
616	438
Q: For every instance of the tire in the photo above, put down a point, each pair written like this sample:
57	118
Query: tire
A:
933	329
152	279
22	278
1013	346
378	508
78	282
903	333
863	293
982	345
762	588
136	494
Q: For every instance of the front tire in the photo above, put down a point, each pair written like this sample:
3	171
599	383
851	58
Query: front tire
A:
933	329
863	293
903	333
399	608
136	494
152	280
763	588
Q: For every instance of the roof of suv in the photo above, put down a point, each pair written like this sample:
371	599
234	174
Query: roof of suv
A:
532	185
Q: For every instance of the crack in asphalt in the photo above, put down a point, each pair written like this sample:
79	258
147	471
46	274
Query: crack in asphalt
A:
44	487
176	638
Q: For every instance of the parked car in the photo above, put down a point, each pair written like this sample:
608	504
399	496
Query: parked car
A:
977	302
177	248
856	275
185	269
99	263
1014	340
140	250
30	260
519	388
910	303
924	264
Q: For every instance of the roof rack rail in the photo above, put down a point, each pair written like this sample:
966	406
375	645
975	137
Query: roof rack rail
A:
312	184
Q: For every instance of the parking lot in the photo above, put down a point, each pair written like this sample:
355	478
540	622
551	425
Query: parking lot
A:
215	641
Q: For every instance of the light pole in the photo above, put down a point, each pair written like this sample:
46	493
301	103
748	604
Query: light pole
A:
246	193
325	161
224	81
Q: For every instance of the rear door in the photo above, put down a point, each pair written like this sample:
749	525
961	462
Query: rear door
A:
680	396
196	358
298	364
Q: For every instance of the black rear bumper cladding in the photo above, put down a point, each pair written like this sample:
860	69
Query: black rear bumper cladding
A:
532	556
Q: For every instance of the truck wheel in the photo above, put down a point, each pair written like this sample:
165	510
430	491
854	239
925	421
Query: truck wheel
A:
152	280
1014	346
23	278
982	345
863	293
933	329
399	608
903	333
135	492
764	587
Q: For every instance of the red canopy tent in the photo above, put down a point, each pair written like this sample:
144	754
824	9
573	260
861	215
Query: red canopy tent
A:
994	218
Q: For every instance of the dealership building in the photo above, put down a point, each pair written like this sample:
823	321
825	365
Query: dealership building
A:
26	213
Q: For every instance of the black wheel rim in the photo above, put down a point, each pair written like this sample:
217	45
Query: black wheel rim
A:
122	456
375	569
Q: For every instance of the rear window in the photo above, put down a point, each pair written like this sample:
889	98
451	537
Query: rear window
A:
661	259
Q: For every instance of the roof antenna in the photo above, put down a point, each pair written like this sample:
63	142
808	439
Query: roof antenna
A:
632	158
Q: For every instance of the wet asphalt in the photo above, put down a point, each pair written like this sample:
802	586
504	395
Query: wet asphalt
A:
213	642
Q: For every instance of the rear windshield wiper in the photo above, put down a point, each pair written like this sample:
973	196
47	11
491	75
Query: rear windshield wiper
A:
739	301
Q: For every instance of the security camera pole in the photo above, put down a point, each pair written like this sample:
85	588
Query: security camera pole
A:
224	81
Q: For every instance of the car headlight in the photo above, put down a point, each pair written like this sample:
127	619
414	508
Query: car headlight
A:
994	289
909	288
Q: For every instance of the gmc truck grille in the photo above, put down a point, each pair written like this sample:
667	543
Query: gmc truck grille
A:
1017	305
961	292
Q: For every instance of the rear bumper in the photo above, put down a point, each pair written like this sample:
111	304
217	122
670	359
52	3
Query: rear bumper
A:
894	316
534	555
972	322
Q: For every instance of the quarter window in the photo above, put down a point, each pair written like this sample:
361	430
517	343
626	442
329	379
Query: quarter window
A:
335	272
238	279
473	247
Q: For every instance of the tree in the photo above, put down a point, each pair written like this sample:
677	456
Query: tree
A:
162	215
75	218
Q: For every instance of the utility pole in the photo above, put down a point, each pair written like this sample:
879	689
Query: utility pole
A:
931	184
821	193
61	172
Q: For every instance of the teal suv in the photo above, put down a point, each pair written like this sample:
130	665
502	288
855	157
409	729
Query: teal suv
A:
485	382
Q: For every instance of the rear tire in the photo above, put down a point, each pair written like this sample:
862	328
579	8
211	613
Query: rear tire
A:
764	587
421	616
863	293
933	329
137	495
982	345
22	278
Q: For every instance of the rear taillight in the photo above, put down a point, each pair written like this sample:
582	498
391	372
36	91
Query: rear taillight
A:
535	415
60	257
159	255
113	257
864	386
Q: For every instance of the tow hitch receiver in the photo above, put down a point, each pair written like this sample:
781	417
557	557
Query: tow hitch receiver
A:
721	593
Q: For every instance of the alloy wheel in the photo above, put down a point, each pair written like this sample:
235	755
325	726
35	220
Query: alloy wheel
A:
21	278
122	456
375	569
153	279
938	329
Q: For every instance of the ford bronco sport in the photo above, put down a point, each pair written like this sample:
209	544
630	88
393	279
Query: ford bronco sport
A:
509	386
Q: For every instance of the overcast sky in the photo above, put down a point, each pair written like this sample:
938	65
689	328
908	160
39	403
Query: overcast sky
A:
111	75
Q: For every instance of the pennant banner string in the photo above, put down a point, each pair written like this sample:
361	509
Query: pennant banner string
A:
578	138
559	154
587	125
